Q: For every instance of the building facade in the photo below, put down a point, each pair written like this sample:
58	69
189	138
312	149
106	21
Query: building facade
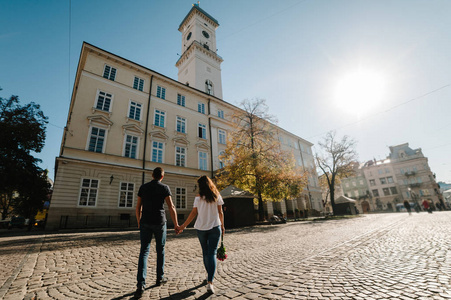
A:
125	119
404	175
414	176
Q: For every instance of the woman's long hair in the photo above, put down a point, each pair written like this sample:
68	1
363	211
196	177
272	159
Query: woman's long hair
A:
207	189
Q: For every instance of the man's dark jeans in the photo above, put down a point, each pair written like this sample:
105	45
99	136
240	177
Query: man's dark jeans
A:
146	233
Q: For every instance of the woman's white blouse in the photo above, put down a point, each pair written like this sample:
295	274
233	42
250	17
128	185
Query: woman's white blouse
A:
207	213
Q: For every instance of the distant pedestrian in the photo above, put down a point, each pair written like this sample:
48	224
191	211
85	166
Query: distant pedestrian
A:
408	207
426	206
209	224
151	219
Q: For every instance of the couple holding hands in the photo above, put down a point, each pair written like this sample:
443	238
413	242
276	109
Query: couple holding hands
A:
151	218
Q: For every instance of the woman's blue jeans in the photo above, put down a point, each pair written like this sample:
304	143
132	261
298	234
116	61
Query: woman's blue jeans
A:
146	233
209	241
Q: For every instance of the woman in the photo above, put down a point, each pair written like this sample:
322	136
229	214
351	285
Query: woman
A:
209	224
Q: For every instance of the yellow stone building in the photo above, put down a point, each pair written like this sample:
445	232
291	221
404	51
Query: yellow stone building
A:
126	119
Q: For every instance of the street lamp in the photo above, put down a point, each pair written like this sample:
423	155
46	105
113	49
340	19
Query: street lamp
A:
414	198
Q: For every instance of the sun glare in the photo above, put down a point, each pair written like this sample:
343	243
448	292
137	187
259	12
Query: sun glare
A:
360	92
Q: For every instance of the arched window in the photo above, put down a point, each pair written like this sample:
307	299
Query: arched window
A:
209	87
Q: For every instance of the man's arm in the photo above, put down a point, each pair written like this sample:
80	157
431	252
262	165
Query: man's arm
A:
172	211
138	210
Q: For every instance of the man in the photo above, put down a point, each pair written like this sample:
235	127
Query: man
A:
151	219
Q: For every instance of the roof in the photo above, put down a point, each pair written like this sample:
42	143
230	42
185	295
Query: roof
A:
344	199
197	7
234	192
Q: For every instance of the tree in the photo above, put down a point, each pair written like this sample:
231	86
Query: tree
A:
22	131
254	160
336	161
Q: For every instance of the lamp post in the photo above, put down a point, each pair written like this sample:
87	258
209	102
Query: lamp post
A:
414	198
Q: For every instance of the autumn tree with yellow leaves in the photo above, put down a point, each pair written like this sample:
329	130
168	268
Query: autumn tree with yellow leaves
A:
255	161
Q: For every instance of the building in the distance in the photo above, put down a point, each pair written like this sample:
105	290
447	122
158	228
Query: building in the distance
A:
126	119
414	176
356	187
404	175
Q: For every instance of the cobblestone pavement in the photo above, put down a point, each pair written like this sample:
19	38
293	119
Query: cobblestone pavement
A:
380	256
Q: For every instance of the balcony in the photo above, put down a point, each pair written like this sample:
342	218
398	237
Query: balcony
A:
410	173
413	185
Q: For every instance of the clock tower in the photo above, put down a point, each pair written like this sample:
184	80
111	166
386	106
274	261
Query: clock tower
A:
199	65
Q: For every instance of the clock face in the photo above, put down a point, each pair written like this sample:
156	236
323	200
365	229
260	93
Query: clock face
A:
188	37
205	34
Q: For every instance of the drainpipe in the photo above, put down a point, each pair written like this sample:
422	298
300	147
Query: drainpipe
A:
145	131
211	141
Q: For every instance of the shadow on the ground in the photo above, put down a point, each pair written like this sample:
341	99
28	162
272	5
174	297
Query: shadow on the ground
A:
187	293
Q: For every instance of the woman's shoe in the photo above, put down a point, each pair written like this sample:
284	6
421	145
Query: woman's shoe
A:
210	288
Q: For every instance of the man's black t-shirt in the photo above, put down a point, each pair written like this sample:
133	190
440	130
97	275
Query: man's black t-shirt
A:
152	196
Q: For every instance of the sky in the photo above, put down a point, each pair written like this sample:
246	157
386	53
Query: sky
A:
377	71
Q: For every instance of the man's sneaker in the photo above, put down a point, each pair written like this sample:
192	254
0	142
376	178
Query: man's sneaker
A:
210	288
139	292
161	281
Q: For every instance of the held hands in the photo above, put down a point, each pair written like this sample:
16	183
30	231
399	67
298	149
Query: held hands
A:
179	229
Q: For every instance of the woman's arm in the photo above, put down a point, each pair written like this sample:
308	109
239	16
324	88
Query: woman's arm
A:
190	218
221	217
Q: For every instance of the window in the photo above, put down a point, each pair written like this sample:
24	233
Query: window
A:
181	124
222	136
390	179
126	194
109	73
131	145
203	161
393	190
180	198
201	107
221	114
383	180
386	191
135	111
387	170
375	193
97	140
180	100
361	181
402	171
347	184
138	84
202	131
356	194
180	155
88	192
209	87
354	183
103	101
161	92
419	180
221	162
157	152
380	171
159	118
372	182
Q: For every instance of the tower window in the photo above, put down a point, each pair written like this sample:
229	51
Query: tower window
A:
209	87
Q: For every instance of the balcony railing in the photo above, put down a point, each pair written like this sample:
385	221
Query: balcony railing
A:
412	185
410	173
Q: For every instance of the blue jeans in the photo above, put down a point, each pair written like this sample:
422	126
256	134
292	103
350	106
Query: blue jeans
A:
209	241
146	233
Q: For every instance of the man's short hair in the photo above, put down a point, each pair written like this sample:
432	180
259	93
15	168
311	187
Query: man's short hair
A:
158	173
